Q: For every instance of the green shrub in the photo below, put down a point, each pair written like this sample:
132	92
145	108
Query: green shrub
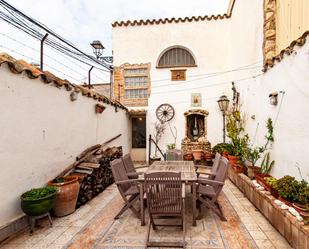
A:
288	188
222	147
38	193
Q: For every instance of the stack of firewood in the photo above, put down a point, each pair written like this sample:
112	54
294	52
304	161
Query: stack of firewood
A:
92	166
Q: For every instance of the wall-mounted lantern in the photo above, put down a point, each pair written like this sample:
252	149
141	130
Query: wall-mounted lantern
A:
73	95
273	98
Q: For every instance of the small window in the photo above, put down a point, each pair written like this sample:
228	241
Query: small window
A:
176	57
178	75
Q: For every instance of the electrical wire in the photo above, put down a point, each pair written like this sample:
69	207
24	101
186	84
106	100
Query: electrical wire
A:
99	79
34	28
210	85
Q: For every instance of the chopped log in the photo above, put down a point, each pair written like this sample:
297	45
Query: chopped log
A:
86	151
90	165
82	159
84	171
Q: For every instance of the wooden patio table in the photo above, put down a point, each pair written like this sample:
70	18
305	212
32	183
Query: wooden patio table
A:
188	177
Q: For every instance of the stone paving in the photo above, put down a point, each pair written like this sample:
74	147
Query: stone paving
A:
93	226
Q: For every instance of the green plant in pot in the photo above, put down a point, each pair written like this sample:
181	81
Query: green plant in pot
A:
38	201
239	140
222	147
288	188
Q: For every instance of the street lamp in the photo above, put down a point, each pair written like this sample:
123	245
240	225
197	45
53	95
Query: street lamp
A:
98	51
223	103
97	48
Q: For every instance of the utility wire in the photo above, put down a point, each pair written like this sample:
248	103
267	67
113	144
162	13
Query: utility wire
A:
27	24
210	85
59	62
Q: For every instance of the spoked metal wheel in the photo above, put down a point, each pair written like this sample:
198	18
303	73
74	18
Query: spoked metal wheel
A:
165	113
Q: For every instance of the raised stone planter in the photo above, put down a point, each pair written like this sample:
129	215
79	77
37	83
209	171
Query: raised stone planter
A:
295	232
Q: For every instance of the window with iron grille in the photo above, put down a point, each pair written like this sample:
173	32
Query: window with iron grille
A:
176	57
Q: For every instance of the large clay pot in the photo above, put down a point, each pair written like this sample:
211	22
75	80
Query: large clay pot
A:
197	154
66	198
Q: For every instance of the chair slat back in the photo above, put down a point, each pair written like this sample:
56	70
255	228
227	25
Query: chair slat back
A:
222	170
216	163
128	163
164	192
120	174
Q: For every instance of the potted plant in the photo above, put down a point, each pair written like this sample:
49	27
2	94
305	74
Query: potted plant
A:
252	154
264	170
287	188
302	205
221	148
239	140
38	201
66	198
270	183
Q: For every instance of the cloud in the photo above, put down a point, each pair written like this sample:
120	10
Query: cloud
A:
82	21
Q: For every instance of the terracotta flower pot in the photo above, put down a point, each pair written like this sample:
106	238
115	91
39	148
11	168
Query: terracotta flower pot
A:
188	157
233	159
208	156
285	201
197	154
225	154
260	178
66	198
252	170
300	208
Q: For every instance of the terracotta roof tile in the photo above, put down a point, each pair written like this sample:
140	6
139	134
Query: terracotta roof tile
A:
169	20
20	66
287	51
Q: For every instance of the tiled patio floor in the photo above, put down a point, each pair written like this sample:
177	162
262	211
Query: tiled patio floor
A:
92	226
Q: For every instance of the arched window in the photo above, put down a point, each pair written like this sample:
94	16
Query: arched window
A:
176	57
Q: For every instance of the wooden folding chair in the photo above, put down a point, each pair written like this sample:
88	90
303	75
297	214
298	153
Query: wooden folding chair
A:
202	170
165	198
129	189
129	166
207	190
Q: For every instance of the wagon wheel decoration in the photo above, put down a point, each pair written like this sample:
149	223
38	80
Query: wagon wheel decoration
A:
165	113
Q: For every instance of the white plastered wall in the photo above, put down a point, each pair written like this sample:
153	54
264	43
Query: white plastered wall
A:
42	131
218	45
290	78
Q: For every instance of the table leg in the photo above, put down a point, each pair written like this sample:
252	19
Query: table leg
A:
194	203
142	205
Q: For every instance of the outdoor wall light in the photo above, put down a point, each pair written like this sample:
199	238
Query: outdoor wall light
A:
73	96
273	98
97	48
223	103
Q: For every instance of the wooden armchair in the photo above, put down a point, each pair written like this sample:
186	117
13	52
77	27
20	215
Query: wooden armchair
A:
129	189
165	198
207	190
200	169
129	166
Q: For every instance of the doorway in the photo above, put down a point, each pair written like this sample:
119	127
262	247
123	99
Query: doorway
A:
138	152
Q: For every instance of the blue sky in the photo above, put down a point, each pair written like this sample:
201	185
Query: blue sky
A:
82	21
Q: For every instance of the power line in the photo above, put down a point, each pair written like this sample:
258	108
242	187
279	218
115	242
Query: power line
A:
210	85
31	58
27	24
218	72
59	62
